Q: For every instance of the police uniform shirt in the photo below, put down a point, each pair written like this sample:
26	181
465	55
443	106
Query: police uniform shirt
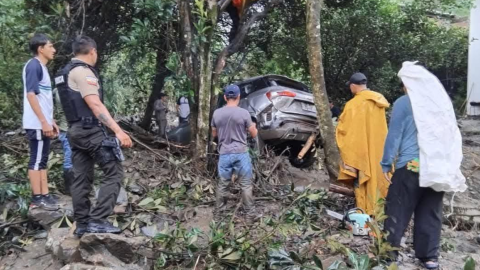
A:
83	79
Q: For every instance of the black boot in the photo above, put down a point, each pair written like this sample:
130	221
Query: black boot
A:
68	180
102	227
80	230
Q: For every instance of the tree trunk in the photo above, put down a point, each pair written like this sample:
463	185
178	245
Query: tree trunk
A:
162	72
205	82
189	64
319	90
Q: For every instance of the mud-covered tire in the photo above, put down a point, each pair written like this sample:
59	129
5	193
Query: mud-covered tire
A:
305	162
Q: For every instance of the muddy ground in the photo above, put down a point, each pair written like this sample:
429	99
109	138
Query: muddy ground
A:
146	171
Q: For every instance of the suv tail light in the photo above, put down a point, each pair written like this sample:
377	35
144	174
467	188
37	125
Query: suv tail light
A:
284	93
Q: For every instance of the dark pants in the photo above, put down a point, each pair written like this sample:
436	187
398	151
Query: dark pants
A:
162	126
406	197
86	151
39	149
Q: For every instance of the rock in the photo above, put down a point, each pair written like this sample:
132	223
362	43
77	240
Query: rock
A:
80	266
150	231
466	247
136	189
46	218
63	245
41	235
120	209
115	251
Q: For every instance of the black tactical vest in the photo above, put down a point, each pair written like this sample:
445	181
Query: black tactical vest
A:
74	107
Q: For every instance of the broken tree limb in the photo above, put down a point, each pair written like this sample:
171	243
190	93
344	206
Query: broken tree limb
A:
147	147
341	190
307	146
13	223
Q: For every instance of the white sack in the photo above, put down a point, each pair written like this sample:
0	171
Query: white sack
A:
439	138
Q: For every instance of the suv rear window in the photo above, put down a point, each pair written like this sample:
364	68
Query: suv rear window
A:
290	84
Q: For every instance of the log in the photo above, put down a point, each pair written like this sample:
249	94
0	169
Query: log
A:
341	190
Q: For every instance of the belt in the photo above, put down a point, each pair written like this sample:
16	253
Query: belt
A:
86	121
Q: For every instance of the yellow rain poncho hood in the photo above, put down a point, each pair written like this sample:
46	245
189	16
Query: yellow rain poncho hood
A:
361	133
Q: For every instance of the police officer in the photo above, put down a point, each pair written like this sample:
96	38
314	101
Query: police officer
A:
81	95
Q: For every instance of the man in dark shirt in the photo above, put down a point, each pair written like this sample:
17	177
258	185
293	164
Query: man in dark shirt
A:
335	110
231	123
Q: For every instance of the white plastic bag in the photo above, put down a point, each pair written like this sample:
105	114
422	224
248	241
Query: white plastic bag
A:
439	138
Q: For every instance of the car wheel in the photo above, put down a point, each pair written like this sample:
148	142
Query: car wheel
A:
306	161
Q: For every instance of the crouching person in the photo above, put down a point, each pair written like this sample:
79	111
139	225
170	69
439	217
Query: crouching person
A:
231	124
81	96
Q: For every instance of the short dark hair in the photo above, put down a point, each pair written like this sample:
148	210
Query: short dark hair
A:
38	40
83	45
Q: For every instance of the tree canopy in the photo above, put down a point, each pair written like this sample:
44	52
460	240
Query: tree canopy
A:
144	48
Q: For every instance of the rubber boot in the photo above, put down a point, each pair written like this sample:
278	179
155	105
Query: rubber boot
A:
249	205
68	179
221	200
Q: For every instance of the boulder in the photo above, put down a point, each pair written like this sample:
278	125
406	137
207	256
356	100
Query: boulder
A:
63	245
47	218
115	251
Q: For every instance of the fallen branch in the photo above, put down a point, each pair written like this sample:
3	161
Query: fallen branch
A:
279	158
13	223
147	147
11	149
341	190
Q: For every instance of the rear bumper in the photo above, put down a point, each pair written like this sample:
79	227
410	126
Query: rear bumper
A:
287	127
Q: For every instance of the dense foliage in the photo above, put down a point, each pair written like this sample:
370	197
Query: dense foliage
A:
140	46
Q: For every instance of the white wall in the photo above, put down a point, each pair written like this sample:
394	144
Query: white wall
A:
473	92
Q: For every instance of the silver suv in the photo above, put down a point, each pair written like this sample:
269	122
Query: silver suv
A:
285	115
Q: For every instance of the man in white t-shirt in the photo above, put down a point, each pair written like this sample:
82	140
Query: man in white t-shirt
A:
183	109
38	118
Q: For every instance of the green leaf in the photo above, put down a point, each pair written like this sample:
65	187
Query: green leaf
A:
69	223
279	257
318	262
363	262
295	257
146	201
58	224
161	209
469	264
233	256
192	240
392	266
337	265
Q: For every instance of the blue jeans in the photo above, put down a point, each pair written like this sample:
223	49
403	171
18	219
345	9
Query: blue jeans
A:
240	164
67	151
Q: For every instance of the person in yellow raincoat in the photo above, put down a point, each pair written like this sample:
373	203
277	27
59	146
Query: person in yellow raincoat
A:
361	134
